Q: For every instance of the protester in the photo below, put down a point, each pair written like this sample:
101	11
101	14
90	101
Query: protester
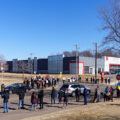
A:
40	98
65	103
28	83
118	90
21	94
97	94
109	80
60	94
32	82
101	80
107	94
77	94
38	84
98	80
91	80
87	79
111	93
5	97
106	80
53	95
79	78
34	100
85	96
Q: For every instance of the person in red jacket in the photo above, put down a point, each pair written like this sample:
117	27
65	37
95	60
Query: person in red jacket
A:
34	100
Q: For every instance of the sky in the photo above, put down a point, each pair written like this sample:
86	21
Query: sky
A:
47	27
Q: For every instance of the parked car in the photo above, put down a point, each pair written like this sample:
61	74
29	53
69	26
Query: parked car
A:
71	80
113	72
71	87
13	88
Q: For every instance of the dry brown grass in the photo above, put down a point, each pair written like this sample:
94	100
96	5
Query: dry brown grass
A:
100	111
10	78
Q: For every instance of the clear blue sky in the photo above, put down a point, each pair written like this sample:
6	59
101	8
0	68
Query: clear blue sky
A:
46	27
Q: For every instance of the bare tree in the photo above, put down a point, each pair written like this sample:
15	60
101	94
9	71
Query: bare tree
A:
111	19
86	53
23	67
3	64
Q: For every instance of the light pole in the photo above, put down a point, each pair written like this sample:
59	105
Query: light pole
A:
96	60
77	47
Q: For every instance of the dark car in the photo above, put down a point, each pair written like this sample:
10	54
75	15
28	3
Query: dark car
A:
14	88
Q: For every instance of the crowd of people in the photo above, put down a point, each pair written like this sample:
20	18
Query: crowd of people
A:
43	82
40	83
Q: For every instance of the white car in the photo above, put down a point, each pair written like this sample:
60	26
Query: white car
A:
71	80
71	87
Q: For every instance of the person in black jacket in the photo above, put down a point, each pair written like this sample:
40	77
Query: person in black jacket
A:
85	96
53	95
5	97
60	95
40	98
65	96
32	83
77	94
21	94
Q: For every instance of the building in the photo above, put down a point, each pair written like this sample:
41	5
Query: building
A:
15	65
57	64
42	66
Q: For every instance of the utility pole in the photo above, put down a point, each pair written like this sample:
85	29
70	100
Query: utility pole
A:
96	47
31	63
77	47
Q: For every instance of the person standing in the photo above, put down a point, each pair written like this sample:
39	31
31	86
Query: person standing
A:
34	100
101	80
85	96
28	83
91	80
53	95
87	79
5	97
107	94
79	78
40	98
60	96
111	93
32	82
77	94
65	95
97	94
109	80
21	99
106	80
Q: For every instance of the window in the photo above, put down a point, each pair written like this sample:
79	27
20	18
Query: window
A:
86	69
99	70
82	86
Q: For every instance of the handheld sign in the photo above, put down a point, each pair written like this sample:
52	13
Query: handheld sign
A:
60	74
102	75
118	77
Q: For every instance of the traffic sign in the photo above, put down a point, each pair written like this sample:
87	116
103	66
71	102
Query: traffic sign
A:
118	77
